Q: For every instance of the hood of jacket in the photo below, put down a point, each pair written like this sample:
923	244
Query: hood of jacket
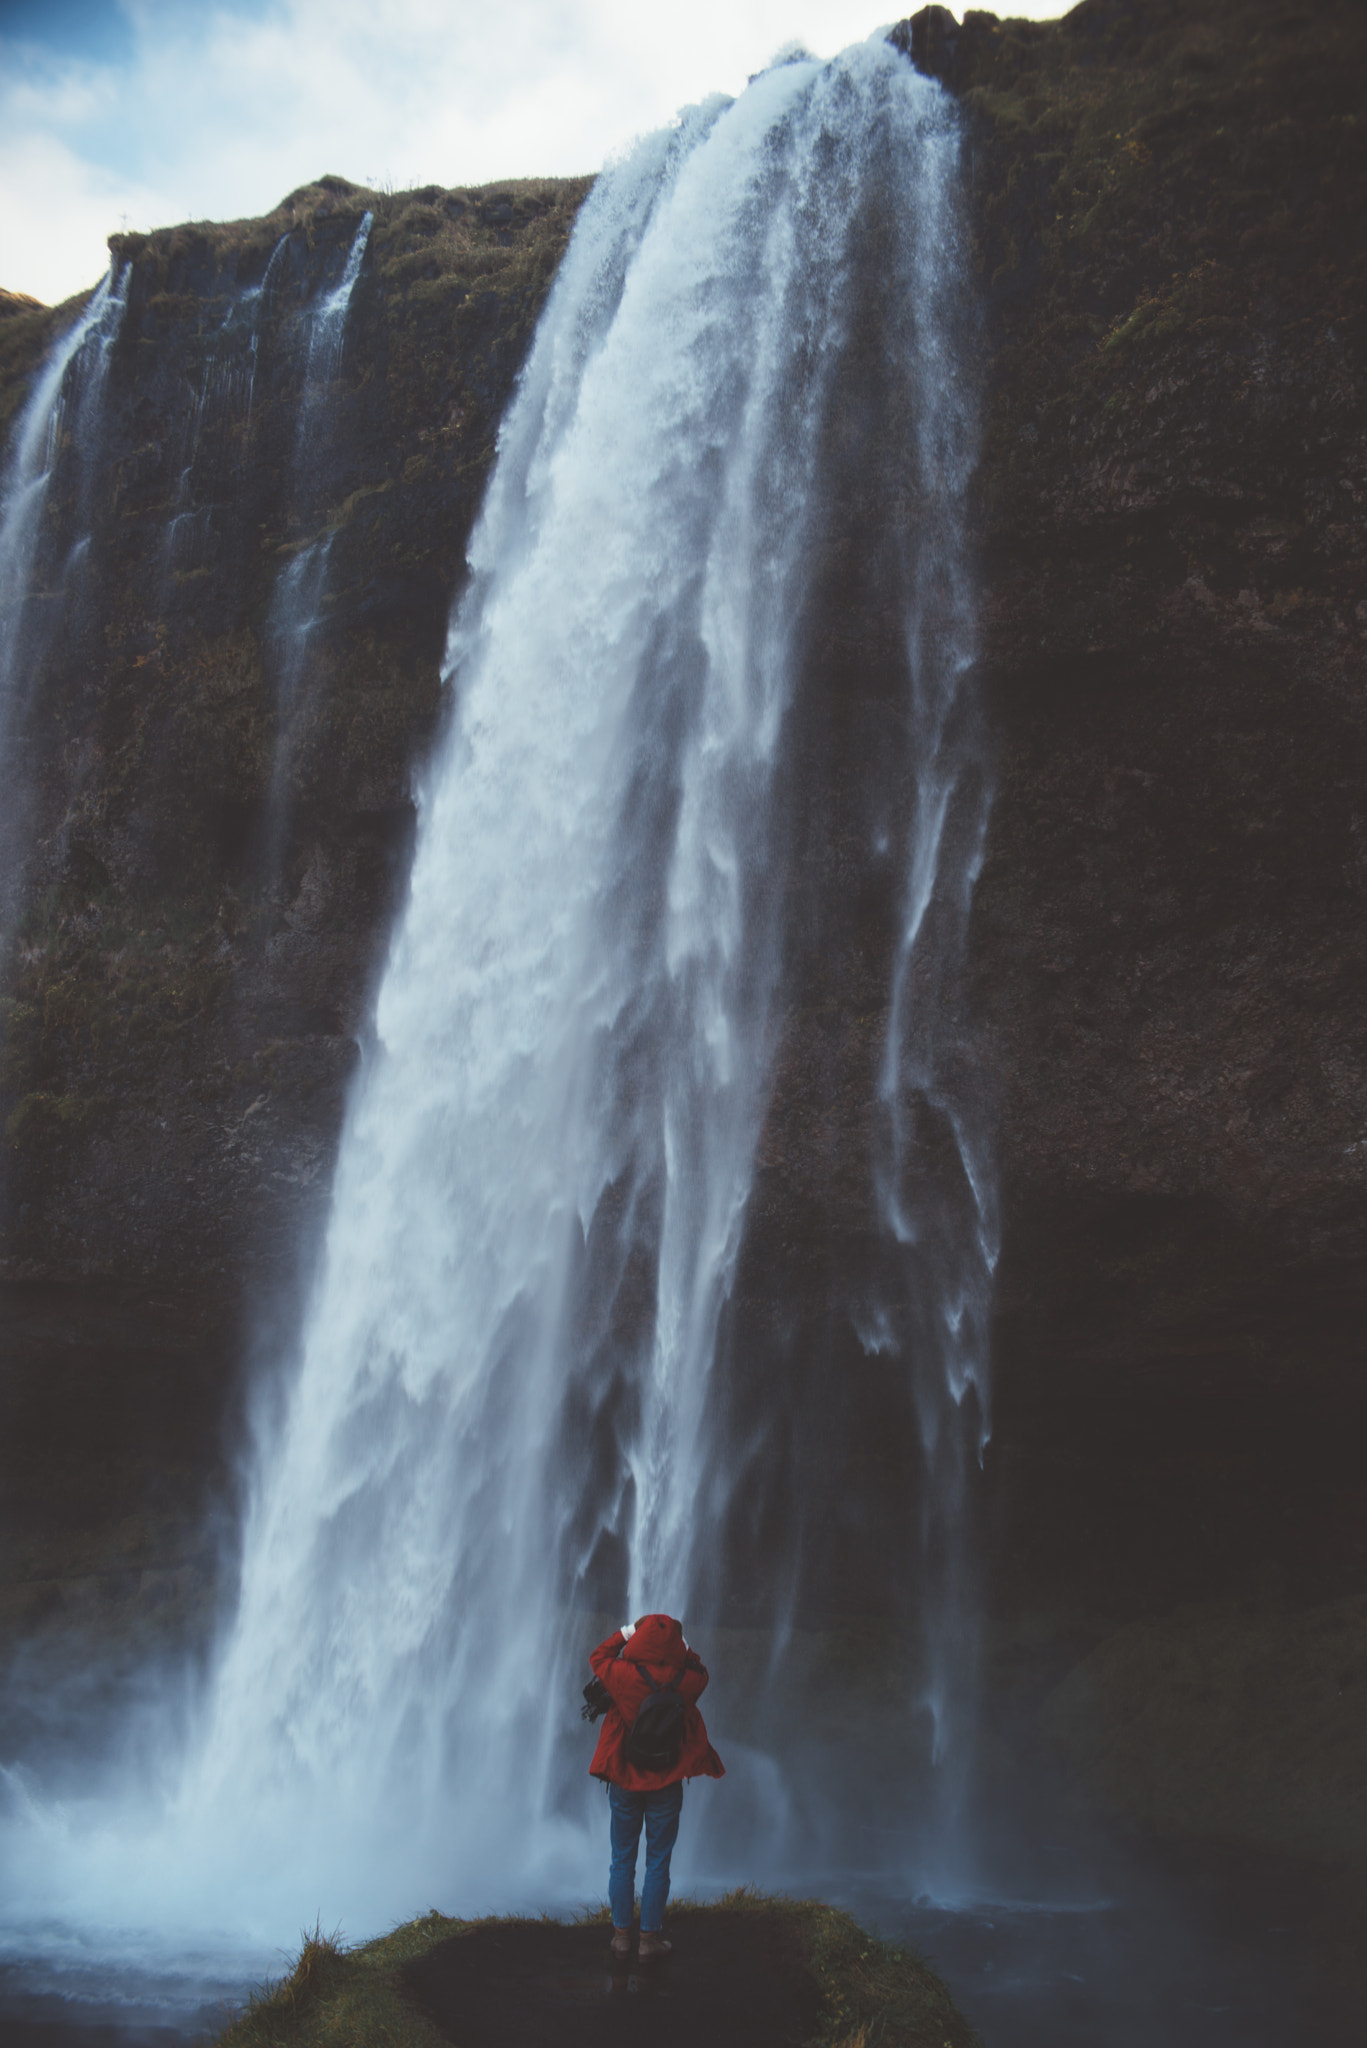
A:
657	1639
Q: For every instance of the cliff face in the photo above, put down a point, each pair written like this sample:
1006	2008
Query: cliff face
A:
228	675
1170	206
1169	962
1167	973
217	748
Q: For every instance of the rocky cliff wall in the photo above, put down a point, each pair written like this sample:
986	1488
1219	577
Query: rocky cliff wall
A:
1169	930
216	779
210	803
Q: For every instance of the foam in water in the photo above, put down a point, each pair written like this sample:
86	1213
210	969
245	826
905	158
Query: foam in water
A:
543	1181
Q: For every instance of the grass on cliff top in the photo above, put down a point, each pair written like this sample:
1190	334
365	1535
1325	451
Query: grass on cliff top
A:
875	1994
1226	125
419	235
1168	189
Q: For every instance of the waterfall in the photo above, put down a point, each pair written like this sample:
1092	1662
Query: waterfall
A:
58	430
323	361
298	604
296	608
932	1296
214	440
327	328
68	390
543	1183
511	1417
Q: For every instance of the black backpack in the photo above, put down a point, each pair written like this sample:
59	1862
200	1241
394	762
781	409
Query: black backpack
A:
656	1735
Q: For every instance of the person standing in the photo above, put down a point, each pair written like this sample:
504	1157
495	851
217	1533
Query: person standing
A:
643	1757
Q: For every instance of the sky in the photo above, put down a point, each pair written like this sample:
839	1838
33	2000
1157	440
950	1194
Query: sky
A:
140	113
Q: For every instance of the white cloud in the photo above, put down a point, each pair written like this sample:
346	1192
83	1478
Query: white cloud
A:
59	211
219	112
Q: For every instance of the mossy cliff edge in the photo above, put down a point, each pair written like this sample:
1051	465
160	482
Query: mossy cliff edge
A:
839	1986
1168	208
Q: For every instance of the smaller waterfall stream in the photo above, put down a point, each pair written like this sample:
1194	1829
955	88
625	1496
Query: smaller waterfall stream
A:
214	438
933	1299
71	385
327	325
298	605
40	572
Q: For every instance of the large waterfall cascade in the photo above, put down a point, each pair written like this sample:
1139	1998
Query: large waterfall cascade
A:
507	1409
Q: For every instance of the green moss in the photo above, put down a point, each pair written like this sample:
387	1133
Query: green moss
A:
186	746
39	1119
25	338
874	1994
1185	180
20	1028
76	1007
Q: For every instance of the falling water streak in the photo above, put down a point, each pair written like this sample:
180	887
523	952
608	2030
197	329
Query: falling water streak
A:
327	337
948	1258
41	581
328	330
75	369
261	301
296	609
213	438
299	602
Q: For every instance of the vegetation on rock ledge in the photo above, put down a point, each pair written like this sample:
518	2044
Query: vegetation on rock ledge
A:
872	1993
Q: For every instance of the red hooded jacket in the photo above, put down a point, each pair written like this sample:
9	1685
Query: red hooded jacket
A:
657	1642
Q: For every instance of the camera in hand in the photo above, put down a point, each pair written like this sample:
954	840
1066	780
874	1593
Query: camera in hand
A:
597	1700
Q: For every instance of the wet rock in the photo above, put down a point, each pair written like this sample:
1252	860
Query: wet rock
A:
1247	1723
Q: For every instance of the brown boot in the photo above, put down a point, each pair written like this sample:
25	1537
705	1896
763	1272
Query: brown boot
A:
620	1945
652	1945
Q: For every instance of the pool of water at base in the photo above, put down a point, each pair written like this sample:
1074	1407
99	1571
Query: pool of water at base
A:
1198	1947
98	2001
1198	1952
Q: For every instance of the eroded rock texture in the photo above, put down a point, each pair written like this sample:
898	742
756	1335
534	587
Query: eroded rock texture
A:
1169	931
210	781
217	769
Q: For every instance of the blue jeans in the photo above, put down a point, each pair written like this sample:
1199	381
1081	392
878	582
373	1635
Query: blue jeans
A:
660	1811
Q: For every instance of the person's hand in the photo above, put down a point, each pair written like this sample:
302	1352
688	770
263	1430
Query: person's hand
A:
628	1630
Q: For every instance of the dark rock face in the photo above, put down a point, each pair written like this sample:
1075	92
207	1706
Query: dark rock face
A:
1167	975
1170	975
1168	967
213	843
117	1512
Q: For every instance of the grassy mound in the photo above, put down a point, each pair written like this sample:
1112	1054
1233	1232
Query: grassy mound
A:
873	1994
